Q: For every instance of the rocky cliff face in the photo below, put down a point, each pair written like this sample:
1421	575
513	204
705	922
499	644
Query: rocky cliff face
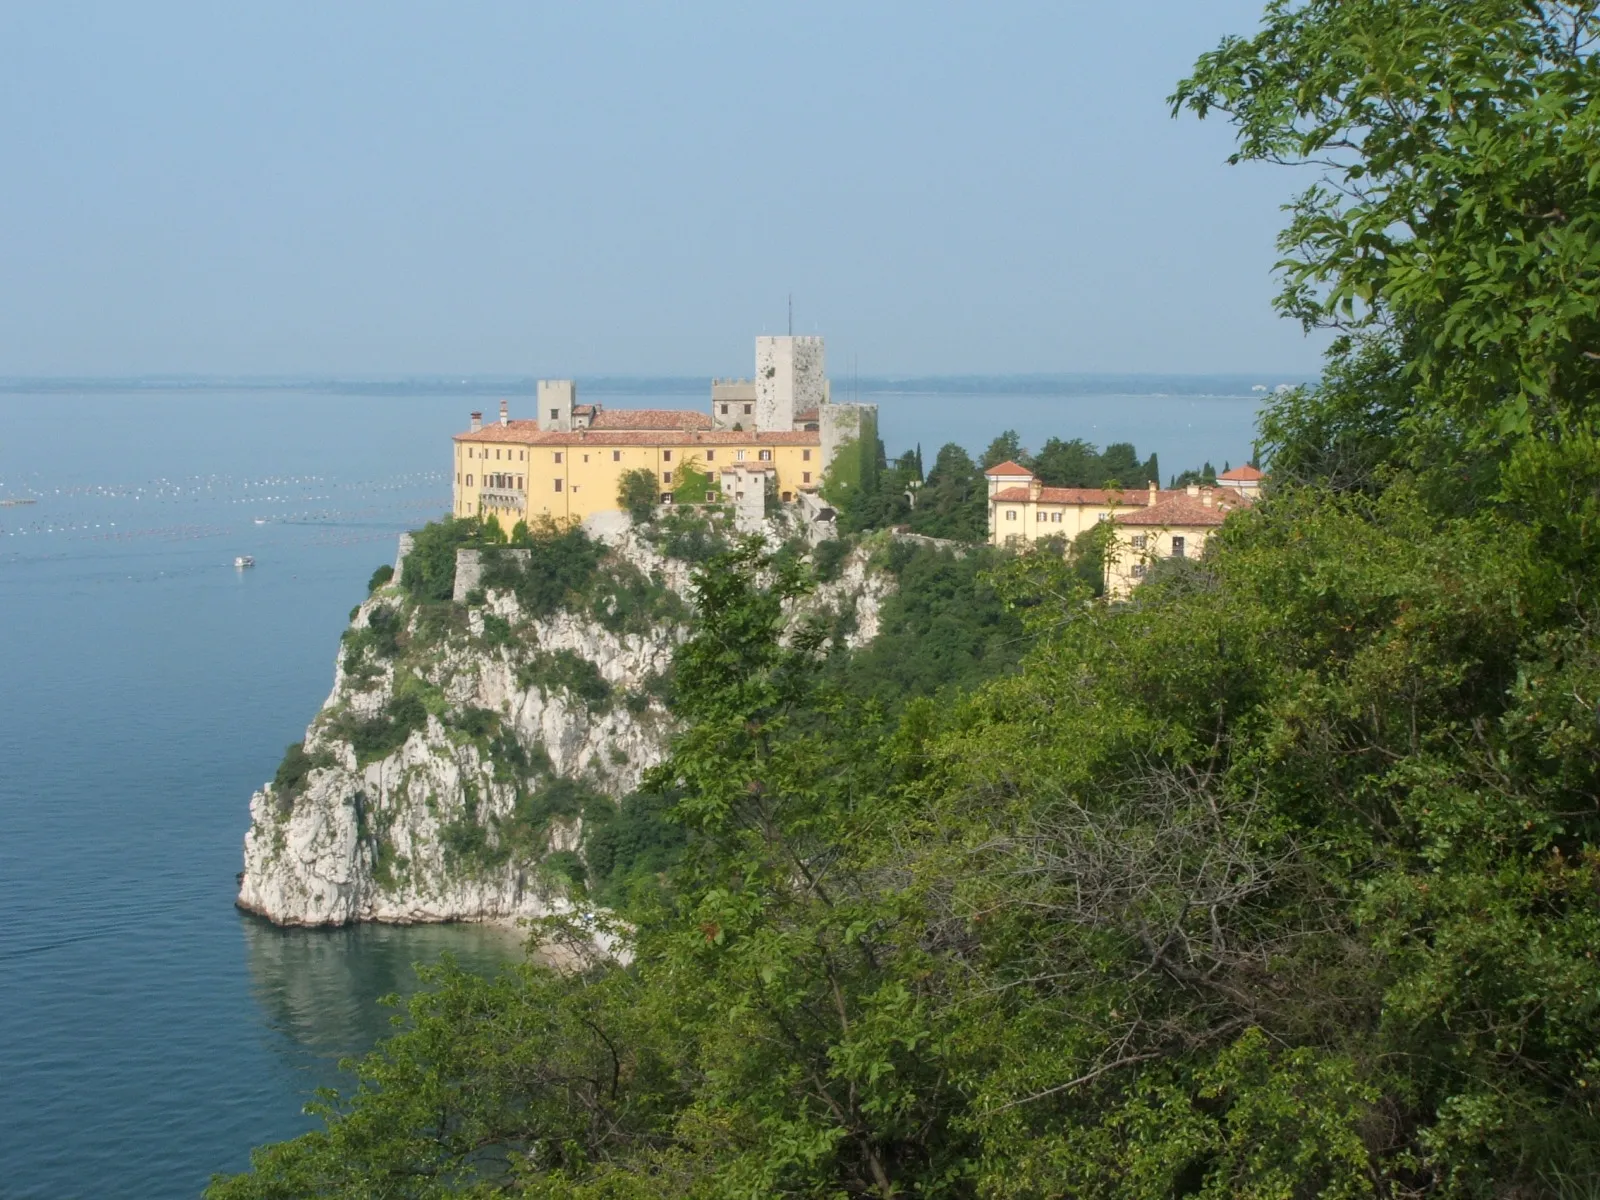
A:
450	773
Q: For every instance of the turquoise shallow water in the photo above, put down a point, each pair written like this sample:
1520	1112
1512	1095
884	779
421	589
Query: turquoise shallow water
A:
149	1033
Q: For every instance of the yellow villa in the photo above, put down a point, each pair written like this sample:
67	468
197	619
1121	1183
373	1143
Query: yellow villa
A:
1176	527
567	462
1150	522
1022	510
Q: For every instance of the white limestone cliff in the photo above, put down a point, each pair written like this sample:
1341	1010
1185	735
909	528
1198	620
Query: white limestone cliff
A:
438	828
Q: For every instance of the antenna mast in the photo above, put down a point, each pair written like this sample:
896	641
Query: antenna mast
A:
791	314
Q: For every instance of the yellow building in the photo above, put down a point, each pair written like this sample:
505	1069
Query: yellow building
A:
1022	510
1149	523
568	463
1176	527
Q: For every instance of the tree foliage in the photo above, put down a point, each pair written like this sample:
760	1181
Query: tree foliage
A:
638	493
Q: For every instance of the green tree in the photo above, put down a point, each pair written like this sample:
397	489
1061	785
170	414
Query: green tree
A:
954	501
691	484
430	566
637	493
1007	447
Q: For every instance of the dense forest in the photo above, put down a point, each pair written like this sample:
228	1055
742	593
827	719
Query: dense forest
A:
1280	880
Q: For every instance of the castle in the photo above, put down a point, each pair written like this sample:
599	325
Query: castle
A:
777	432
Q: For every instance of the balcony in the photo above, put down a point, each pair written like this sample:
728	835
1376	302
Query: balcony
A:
503	498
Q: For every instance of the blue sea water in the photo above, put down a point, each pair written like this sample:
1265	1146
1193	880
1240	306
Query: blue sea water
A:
150	1034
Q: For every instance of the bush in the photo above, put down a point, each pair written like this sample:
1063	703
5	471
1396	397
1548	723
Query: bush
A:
570	672
376	738
828	558
430	573
560	565
380	577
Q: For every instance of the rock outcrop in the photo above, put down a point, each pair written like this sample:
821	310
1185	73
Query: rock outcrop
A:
448	774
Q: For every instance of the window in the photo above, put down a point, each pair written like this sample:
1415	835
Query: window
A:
519	483
1102	516
787	497
1055	518
747	410
558	485
805	477
1011	514
1139	541
711	455
616	456
1177	547
555	414
1042	516
666	477
806	454
1138	570
497	453
558	456
666	456
724	410
523	456
469	480
739	454
764	455
458	476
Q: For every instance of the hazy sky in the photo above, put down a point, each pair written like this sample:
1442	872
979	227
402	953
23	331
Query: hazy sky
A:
393	188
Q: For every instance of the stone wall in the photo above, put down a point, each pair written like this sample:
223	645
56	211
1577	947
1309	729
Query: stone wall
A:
843	423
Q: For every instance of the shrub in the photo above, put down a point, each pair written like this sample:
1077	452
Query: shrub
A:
380	577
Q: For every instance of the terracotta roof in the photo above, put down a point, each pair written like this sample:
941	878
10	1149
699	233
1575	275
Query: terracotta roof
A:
650	418
1009	468
1244	474
528	433
1055	495
583	410
809	414
1180	510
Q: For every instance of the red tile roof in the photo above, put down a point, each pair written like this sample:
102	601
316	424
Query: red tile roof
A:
528	433
809	414
1009	468
1055	495
1244	474
650	418
1181	510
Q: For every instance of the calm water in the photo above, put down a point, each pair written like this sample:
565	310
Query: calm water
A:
149	1033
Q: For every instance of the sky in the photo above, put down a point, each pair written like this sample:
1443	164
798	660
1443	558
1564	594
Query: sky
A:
386	188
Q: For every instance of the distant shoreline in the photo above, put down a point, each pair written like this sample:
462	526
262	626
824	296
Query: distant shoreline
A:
1199	384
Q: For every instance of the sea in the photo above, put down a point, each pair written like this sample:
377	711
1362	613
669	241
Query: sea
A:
150	1033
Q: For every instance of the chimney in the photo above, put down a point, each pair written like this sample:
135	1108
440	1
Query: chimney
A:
1193	489
1152	499
1206	497
505	414
1035	488
477	421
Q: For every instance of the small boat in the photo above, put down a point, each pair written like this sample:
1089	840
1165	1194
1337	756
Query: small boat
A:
244	560
261	520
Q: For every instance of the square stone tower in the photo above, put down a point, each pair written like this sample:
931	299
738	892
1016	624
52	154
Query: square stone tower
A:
556	398
791	376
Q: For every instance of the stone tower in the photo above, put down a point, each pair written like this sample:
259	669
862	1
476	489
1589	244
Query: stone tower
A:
556	397
791	375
